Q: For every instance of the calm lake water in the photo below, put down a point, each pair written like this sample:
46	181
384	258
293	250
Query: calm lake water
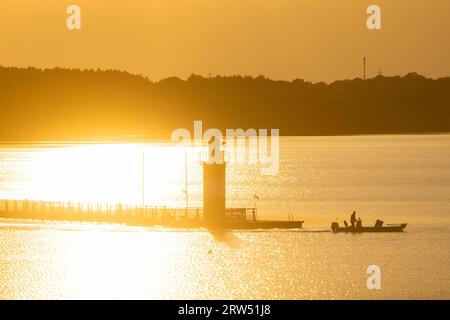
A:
395	178
56	261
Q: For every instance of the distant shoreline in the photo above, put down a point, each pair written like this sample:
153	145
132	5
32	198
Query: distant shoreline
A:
75	105
166	141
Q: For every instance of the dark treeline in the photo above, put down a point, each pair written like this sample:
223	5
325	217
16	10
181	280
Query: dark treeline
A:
61	104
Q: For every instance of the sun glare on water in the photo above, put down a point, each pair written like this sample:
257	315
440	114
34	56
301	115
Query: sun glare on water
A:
99	173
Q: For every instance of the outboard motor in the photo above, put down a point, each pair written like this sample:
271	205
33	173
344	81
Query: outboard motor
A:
378	224
335	227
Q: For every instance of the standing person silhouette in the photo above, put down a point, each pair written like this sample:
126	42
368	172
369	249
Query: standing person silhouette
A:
353	219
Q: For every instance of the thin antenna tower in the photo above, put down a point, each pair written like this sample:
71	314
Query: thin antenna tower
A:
186	180
364	68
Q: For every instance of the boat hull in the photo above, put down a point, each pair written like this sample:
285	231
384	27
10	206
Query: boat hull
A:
337	229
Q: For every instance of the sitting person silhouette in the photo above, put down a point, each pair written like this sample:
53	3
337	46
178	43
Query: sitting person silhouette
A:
345	224
359	223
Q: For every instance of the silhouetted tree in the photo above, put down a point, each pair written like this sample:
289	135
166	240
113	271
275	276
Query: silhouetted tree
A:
62	104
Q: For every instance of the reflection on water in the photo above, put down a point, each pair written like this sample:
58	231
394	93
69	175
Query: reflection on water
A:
93	261
396	178
321	178
108	173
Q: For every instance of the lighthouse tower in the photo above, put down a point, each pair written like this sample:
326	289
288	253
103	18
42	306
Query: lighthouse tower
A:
214	187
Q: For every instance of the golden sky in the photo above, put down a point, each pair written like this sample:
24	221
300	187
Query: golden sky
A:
318	40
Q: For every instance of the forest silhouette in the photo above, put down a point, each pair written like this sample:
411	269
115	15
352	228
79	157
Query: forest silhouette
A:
73	105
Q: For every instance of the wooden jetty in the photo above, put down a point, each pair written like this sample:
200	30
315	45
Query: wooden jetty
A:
214	214
134	215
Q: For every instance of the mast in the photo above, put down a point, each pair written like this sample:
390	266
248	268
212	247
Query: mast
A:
186	181
364	68
143	179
